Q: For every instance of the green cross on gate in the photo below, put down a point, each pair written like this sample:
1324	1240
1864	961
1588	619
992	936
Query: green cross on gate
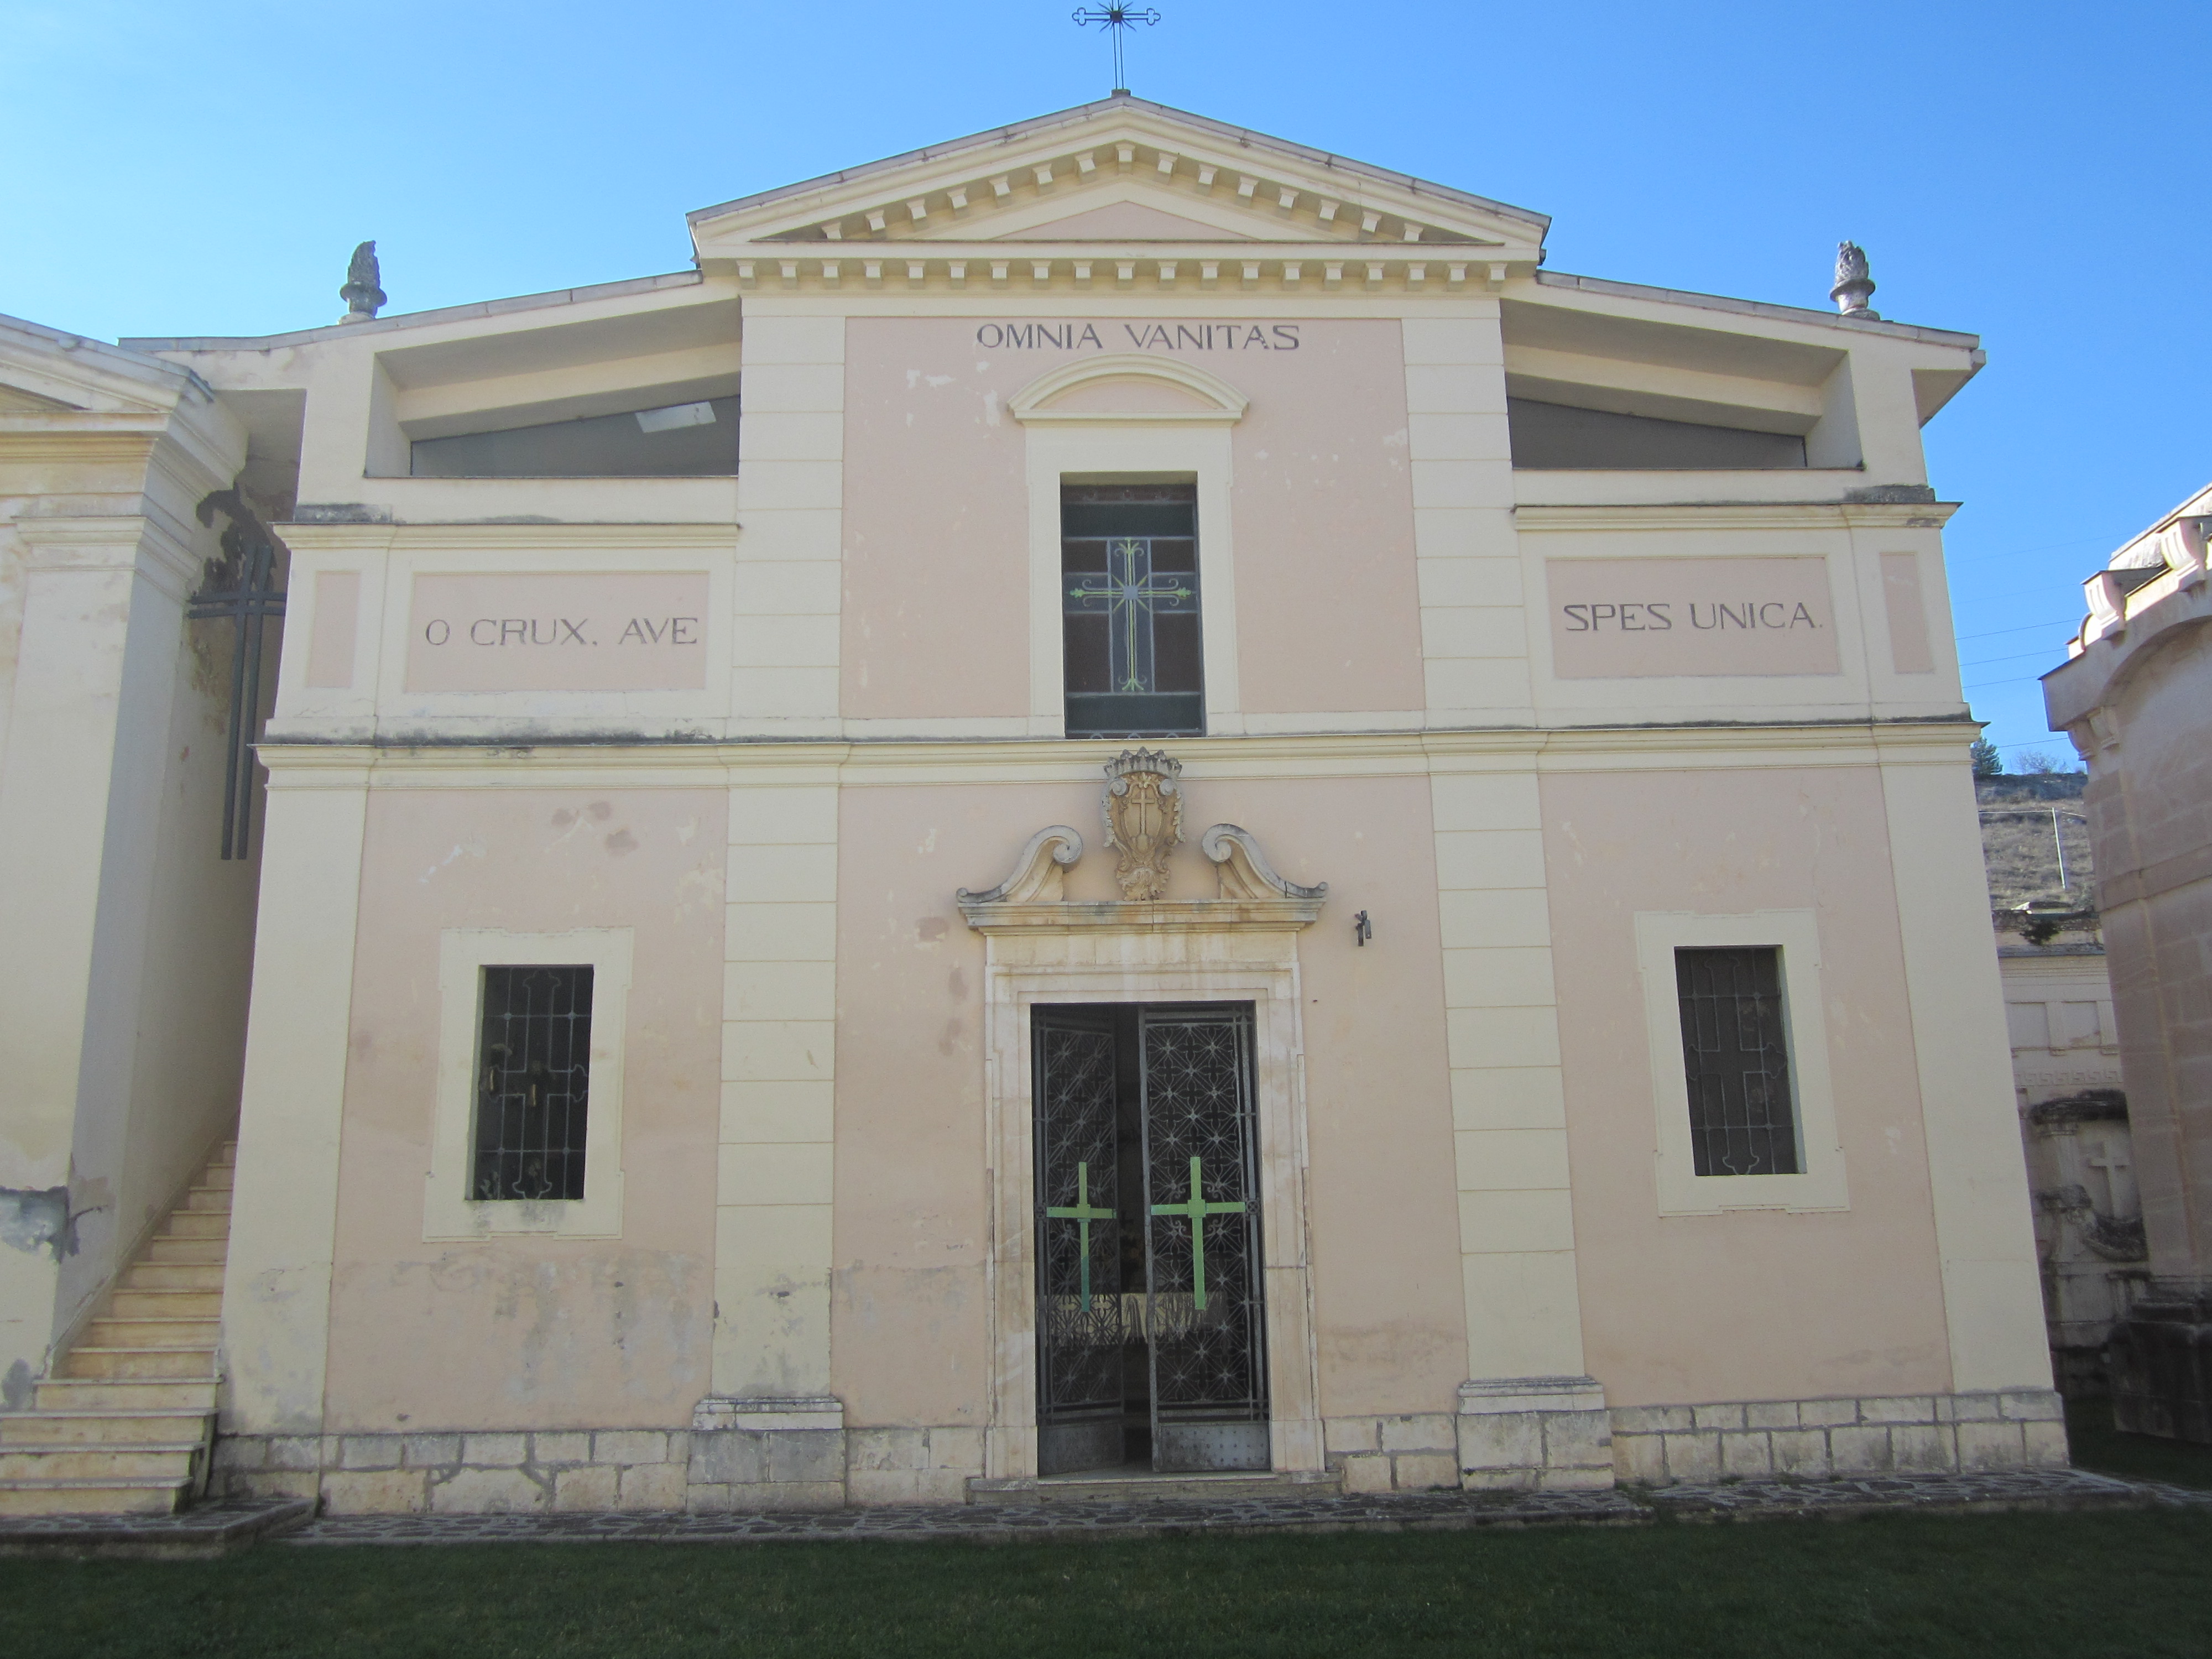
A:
1083	1214
1195	1210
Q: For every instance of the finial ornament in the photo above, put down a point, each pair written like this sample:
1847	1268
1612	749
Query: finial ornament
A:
1117	21
1854	288
360	292
1144	819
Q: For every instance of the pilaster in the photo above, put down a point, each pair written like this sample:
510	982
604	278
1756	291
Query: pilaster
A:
1977	1179
1474	636
1509	1113
774	1183
790	500
276	1284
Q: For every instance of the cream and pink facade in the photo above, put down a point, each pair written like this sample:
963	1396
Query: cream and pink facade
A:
750	742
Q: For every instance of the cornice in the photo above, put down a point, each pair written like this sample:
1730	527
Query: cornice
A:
1102	267
149	543
325	536
896	763
93	439
1736	516
1160	916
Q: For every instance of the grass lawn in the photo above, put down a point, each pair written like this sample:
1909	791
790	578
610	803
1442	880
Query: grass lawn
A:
1923	1586
2096	1445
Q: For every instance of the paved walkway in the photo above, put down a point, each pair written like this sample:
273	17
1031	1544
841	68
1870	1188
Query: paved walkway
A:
215	1528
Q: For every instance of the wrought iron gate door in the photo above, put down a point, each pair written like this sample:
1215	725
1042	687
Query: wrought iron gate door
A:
1204	1315
1151	1339
1081	1331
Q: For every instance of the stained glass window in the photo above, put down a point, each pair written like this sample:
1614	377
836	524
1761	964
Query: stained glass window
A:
1130	605
1736	1055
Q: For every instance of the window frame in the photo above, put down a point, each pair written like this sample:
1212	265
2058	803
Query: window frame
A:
449	1209
1820	1185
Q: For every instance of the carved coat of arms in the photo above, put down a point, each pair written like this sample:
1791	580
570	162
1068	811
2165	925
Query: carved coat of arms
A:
1144	819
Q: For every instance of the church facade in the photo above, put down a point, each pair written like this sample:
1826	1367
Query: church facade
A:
1116	799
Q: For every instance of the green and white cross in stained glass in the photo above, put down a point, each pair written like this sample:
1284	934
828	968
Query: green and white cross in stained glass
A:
1195	1209
1131	594
1083	1212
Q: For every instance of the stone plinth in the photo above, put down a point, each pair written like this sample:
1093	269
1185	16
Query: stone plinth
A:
1534	1434
768	1454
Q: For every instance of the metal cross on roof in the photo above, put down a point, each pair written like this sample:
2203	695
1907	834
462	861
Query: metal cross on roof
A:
240	588
1116	21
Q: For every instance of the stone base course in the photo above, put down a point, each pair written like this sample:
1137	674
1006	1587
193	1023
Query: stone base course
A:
1819	1439
462	1474
1436	1511
215	1528
733	1470
1414	1453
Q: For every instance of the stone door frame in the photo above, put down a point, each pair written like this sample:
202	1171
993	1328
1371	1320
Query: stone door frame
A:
1137	960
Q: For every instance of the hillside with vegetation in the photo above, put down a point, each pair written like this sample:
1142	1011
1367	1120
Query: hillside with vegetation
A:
2027	819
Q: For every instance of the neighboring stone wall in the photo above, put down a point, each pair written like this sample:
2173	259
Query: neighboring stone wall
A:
1417	1453
461	1474
1663	1445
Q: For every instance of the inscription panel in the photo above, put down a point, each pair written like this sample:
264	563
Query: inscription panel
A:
1655	618
558	631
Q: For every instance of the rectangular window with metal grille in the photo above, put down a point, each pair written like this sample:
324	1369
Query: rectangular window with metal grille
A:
1130	611
1736	1053
533	1082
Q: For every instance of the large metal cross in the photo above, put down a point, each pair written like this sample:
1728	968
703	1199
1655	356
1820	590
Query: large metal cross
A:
241	587
1117	20
1083	1214
1195	1209
1131	596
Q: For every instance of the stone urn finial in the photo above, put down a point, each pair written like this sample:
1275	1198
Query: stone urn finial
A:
360	292
1854	288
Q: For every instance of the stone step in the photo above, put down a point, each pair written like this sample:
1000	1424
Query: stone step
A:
168	1305
20	1430
139	1332
204	1201
173	1276
1141	1486
197	1224
85	1463
153	1496
76	1396
175	1251
150	1364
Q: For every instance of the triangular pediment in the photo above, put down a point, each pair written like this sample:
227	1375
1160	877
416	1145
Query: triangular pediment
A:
1119	172
1121	221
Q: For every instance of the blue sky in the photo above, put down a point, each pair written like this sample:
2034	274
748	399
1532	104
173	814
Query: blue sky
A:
2031	173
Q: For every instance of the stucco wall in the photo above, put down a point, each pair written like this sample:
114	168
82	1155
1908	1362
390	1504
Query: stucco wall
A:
937	517
909	1340
1749	1304
527	1331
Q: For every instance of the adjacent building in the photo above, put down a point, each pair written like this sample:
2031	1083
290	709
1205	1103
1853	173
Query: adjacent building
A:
2133	696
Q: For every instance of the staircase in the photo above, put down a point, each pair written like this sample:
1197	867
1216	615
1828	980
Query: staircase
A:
126	1423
